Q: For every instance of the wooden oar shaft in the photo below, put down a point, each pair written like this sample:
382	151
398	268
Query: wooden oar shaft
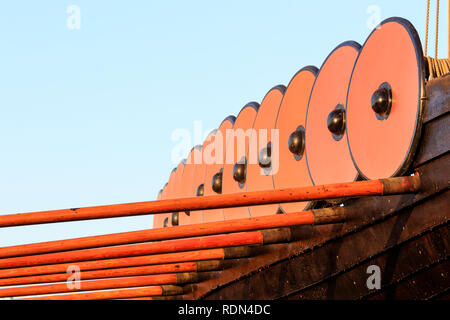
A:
138	281
156	259
319	216
331	191
153	291
196	266
178	245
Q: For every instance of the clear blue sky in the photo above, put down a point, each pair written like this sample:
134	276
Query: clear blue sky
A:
87	115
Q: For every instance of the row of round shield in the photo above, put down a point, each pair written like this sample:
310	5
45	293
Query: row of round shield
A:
357	117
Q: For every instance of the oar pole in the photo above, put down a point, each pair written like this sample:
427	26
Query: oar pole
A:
318	216
389	186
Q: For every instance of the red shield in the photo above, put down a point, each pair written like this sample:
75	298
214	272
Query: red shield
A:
236	157
383	133
327	154
292	170
262	148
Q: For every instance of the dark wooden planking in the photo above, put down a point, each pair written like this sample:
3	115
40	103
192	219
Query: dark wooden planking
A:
374	209
395	264
290	276
444	295
438	98
435	140
423	285
435	161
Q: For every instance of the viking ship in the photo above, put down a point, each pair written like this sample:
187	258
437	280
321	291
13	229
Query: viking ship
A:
339	176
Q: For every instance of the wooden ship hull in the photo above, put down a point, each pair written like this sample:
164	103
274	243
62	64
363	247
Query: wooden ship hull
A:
407	236
309	231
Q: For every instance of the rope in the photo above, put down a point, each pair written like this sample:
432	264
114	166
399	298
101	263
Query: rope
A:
426	27
437	31
436	67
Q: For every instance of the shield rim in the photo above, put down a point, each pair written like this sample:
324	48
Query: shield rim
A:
413	146
314	70
358	47
255	105
282	89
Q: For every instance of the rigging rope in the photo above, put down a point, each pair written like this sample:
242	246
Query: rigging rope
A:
436	67
426	27
437	31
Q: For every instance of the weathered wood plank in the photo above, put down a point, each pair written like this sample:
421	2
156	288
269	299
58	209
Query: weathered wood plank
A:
395	264
371	210
290	276
432	161
421	286
438	98
435	140
444	295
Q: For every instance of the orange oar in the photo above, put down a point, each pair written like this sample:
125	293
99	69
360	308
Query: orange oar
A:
196	266
156	259
155	291
139	281
339	190
319	216
179	245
